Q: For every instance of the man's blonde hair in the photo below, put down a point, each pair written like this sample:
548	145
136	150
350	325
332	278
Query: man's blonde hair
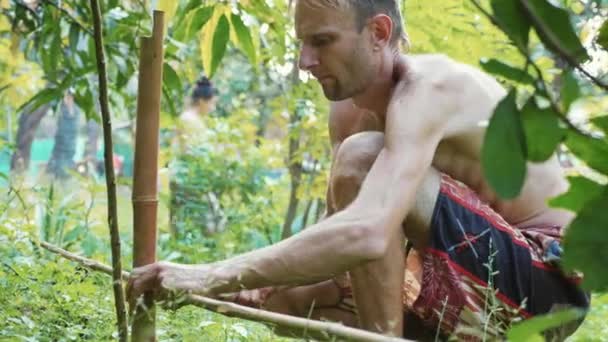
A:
365	9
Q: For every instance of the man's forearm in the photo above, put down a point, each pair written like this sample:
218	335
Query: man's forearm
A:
318	253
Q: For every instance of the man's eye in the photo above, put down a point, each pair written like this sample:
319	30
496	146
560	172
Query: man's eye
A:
321	41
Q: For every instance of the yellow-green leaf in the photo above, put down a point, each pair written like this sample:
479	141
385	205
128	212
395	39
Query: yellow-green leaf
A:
244	37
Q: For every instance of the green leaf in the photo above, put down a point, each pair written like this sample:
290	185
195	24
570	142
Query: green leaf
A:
601	122
571	91
43	97
73	37
552	24
170	78
244	37
581	191
220	42
594	152
503	154
585	243
199	19
602	38
542	130
530	329
509	13
504	70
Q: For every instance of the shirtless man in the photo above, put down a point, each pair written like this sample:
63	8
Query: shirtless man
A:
407	137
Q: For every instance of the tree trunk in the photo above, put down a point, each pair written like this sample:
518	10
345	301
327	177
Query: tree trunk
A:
295	167
28	124
62	157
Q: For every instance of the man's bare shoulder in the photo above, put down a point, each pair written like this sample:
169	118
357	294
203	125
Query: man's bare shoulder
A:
467	94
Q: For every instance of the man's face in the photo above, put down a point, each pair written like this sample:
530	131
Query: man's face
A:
333	50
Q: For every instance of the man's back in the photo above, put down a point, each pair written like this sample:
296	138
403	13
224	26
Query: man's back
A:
473	96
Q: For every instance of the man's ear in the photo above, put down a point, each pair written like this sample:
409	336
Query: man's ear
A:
381	29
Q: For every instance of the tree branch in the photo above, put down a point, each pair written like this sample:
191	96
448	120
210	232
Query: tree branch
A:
545	89
556	46
326	329
119	297
69	16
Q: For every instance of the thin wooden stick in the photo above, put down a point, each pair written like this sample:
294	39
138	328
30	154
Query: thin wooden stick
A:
145	176
119	296
317	328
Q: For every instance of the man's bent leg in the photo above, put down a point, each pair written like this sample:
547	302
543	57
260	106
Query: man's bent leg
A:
378	285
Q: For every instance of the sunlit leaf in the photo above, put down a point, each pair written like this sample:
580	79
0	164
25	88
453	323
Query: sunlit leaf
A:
503	153
509	72
200	17
220	42
244	37
580	192
530	329
594	152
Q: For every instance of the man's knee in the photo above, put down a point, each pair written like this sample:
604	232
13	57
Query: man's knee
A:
353	160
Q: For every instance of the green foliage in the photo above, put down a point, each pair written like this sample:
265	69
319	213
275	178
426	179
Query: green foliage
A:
586	230
542	129
503	153
602	38
551	98
552	24
581	191
510	19
530	329
506	71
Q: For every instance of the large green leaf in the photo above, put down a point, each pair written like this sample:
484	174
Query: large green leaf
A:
170	78
585	243
602	38
503	153
507	71
244	37
581	191
530	329
220	42
570	91
200	17
594	152
509	14
552	24
543	132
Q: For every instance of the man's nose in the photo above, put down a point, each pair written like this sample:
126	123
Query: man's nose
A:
308	58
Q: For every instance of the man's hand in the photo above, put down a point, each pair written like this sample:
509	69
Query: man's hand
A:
168	282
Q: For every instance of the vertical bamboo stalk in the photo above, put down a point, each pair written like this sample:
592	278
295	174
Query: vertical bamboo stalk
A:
145	177
119	299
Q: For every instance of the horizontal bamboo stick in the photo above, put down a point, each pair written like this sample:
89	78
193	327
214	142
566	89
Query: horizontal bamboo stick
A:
306	326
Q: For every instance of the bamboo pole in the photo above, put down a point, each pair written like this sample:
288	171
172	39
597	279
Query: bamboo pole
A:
145	177
119	296
305	326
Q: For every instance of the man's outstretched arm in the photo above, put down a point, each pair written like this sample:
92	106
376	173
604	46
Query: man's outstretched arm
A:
358	234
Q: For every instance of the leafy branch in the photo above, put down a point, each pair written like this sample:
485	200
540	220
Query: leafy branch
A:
543	30
539	86
69	16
